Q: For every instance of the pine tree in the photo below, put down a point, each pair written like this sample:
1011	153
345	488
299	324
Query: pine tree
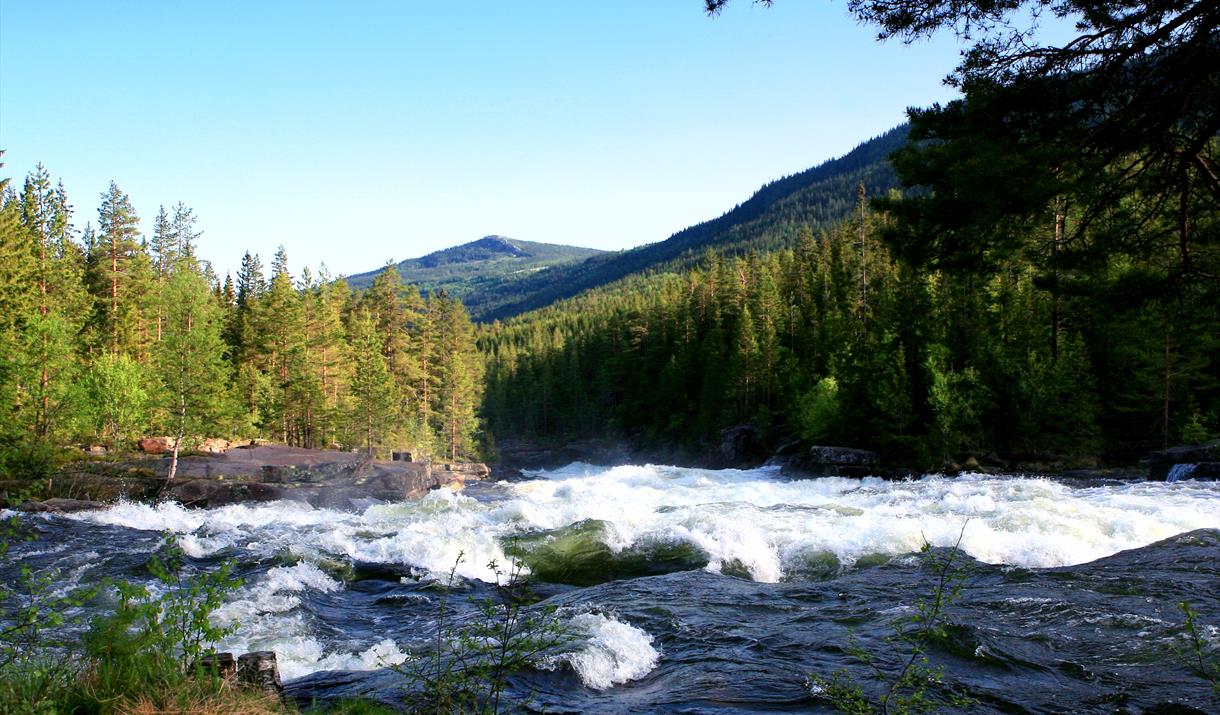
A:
372	386
281	331
116	248
460	374
396	309
328	353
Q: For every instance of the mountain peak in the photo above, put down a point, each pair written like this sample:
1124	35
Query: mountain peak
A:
490	260
488	248
496	243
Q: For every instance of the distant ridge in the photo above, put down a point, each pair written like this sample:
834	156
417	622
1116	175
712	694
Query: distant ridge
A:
818	197
489	266
498	277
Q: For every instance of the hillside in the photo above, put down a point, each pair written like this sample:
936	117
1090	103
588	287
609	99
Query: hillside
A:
819	197
487	267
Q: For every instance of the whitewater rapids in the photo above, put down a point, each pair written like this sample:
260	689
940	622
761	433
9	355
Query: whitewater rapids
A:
751	523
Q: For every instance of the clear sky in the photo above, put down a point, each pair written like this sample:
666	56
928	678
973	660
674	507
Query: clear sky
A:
354	133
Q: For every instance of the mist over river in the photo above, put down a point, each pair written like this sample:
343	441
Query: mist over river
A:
700	591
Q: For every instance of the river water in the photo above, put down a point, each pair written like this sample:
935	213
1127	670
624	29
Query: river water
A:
696	591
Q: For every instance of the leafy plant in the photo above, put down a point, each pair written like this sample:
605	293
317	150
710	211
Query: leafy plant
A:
916	686
140	657
159	637
470	661
1197	655
31	612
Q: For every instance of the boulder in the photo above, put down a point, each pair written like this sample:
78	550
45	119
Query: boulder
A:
827	461
741	445
58	505
222	664
155	445
208	493
468	470
279	473
214	445
96	449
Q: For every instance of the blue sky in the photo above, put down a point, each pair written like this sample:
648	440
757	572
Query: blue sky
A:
356	133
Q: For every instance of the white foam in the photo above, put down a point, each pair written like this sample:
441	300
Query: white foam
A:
299	654
274	592
614	652
752	519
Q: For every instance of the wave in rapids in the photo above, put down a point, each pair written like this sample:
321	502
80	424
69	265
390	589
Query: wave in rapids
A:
585	525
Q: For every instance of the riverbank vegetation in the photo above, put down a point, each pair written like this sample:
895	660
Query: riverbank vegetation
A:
143	656
107	335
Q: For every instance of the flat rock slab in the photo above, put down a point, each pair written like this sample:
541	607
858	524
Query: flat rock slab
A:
324	478
58	505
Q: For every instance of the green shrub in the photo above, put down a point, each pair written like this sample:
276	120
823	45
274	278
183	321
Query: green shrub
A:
141	657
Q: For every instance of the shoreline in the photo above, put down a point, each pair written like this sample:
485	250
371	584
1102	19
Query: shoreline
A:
260	472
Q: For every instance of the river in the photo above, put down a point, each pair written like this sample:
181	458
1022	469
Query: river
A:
702	591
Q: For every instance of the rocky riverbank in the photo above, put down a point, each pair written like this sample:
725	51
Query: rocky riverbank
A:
255	473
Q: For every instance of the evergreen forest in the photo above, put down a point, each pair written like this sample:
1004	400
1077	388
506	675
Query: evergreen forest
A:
107	336
1041	289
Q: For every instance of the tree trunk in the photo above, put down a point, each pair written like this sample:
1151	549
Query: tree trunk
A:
173	463
114	296
453	426
1060	226
1165	397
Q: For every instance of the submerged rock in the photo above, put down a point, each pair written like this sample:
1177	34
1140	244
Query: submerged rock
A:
578	555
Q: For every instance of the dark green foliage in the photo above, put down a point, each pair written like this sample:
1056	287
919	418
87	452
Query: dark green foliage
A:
837	341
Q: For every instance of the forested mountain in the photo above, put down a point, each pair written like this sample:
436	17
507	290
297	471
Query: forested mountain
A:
819	197
481	272
107	335
994	311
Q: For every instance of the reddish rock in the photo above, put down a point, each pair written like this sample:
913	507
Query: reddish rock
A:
155	445
215	445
